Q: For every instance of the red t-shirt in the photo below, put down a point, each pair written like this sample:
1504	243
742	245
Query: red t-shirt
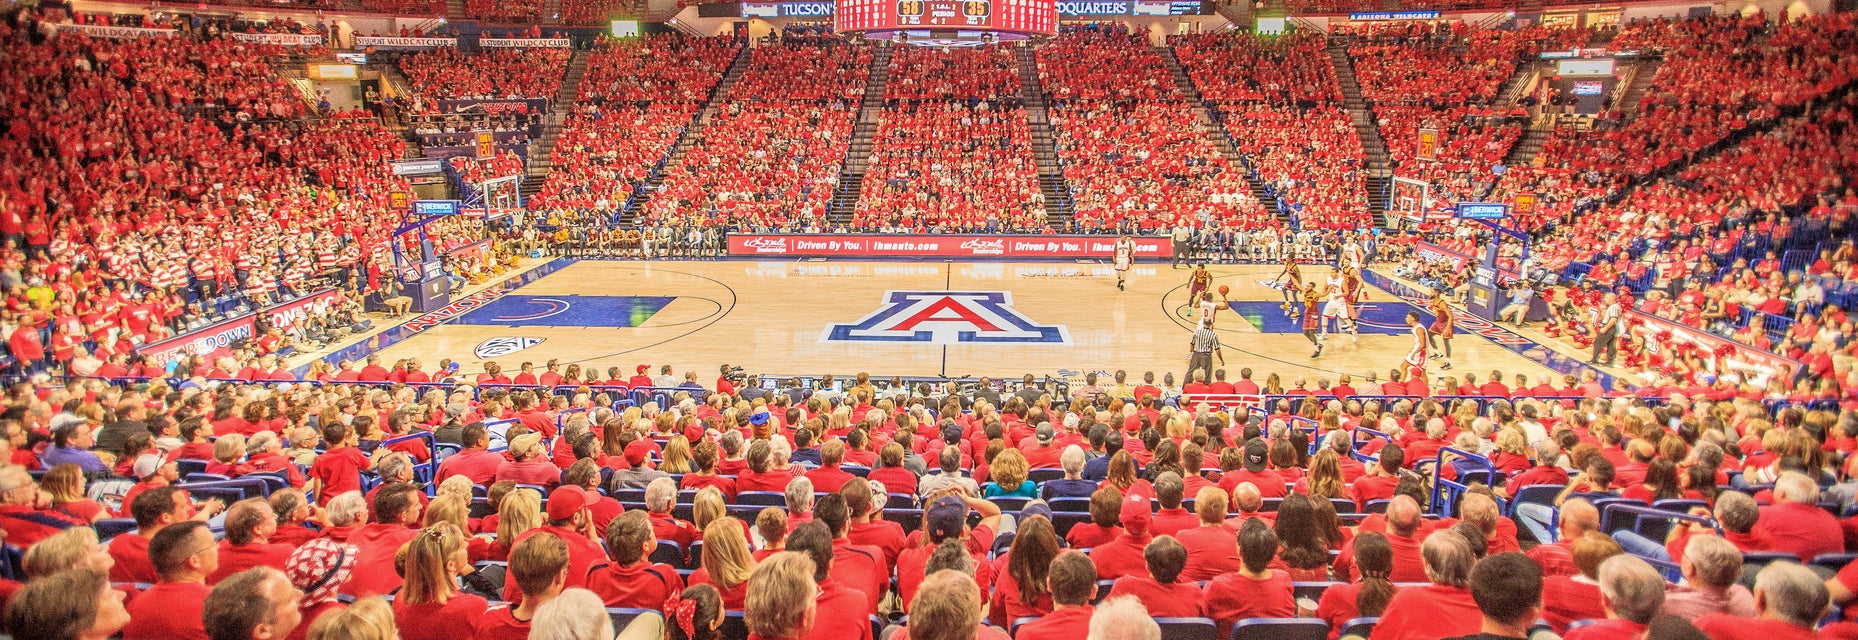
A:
583	555
1211	551
1801	529
1121	557
340	472
1719	626
860	568
1233	597
885	535
235	558
1175	600
1089	535
1428	613
829	479
1069	623
734	598
500	623
642	585
375	546
840	613
1618	628
457	618
726	485
1566	600
130	550
1370	488
477	464
168	611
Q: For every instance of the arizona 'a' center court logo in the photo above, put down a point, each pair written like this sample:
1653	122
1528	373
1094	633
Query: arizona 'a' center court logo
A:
948	317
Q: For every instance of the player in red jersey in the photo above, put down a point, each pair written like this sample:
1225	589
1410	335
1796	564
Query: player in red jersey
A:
1442	327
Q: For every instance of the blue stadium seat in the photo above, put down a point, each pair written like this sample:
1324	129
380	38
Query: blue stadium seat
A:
668	552
757	498
1188	628
1280	629
111	527
1360	627
624	616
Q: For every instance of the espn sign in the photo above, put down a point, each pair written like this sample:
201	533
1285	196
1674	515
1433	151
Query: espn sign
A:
946	246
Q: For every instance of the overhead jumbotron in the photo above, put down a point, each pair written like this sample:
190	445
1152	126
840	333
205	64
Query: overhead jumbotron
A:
947	22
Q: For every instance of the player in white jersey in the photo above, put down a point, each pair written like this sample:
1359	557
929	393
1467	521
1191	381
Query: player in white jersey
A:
1125	257
1336	307
1352	255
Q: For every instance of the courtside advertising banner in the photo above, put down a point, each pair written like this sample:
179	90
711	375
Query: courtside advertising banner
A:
221	335
953	246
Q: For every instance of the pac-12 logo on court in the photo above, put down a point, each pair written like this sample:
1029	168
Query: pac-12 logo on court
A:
503	346
948	317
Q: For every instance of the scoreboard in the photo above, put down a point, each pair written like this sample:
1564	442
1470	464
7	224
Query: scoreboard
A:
1019	16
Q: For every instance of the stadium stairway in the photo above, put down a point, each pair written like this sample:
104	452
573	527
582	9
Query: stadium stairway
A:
858	156
1373	147
1059	207
630	213
1240	14
1642	77
1523	152
542	152
1214	122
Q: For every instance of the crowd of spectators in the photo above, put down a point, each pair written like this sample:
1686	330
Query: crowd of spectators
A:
499	508
445	73
117	236
668	67
1134	154
771	156
989	72
505	11
1444	81
944	166
1282	110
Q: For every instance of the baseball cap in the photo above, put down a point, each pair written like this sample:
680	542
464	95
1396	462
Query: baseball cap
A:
946	517
644	368
1135	515
523	442
147	464
636	453
320	567
951	435
880	495
1255	454
1044	432
565	501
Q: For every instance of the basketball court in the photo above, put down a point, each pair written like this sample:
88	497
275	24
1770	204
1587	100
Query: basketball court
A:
915	318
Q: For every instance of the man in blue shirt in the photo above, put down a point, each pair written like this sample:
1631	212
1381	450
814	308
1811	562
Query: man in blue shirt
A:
71	444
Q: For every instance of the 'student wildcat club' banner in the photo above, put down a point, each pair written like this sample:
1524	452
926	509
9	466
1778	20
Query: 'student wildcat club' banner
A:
940	246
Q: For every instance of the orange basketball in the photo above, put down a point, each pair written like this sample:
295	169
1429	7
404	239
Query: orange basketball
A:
1223	289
